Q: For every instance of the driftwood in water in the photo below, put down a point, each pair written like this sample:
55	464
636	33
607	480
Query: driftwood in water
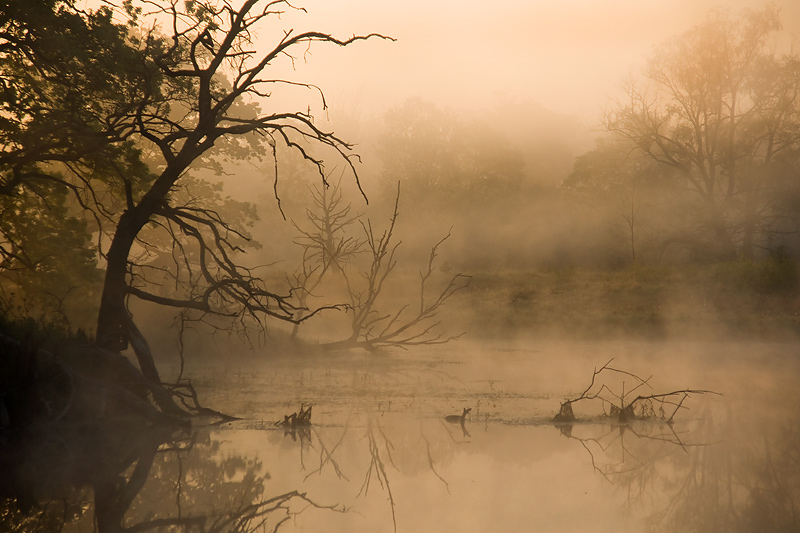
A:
619	406
297	424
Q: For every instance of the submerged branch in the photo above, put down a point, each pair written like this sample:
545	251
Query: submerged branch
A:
622	409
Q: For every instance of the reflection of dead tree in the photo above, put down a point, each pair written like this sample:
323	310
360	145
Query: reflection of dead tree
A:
326	456
618	403
380	458
254	517
585	442
745	482
626	455
647	418
377	466
430	461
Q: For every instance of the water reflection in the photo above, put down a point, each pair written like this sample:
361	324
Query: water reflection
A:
382	464
112	479
747	482
722	472
49	478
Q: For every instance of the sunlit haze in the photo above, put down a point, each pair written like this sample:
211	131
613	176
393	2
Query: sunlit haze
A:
569	56
399	266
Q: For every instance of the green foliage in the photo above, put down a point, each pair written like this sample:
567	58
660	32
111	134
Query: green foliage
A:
97	106
68	79
48	268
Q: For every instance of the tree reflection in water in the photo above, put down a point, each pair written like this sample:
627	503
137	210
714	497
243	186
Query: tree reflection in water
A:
749	481
706	475
114	479
713	473
376	449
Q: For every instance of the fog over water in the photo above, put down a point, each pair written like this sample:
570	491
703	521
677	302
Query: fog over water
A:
616	367
534	71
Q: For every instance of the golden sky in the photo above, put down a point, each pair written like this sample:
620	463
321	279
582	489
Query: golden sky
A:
568	55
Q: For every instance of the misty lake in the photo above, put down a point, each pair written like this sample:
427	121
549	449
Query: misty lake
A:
379	455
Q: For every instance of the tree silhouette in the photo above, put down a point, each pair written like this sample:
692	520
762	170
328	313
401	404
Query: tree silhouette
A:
171	88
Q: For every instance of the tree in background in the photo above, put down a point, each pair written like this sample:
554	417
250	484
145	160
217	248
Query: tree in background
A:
721	107
444	162
635	198
328	245
123	117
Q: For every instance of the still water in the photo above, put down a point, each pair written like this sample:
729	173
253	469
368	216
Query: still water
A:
379	455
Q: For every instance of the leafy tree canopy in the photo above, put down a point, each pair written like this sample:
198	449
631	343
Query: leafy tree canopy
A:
720	105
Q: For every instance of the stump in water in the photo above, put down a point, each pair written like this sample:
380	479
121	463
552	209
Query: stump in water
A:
565	413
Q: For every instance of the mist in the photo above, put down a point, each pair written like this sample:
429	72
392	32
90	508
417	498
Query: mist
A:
569	57
511	266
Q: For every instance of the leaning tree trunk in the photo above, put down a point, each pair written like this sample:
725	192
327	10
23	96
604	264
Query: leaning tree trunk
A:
113	312
115	327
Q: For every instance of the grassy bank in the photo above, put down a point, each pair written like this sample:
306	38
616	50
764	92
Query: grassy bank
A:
739	299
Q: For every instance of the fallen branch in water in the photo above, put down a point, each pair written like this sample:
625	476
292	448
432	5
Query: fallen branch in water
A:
617	405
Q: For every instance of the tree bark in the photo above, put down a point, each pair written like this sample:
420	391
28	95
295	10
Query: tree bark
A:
115	327
113	314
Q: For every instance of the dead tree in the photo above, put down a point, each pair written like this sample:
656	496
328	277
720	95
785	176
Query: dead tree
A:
329	249
327	246
370	327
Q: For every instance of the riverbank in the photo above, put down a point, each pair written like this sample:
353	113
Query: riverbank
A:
735	300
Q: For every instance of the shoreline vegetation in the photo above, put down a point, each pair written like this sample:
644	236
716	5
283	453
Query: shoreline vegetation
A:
755	299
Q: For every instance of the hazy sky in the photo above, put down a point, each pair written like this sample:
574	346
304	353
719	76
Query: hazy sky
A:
568	55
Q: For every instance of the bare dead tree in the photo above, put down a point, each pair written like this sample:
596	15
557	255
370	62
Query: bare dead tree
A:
628	456
330	249
327	246
371	328
565	412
